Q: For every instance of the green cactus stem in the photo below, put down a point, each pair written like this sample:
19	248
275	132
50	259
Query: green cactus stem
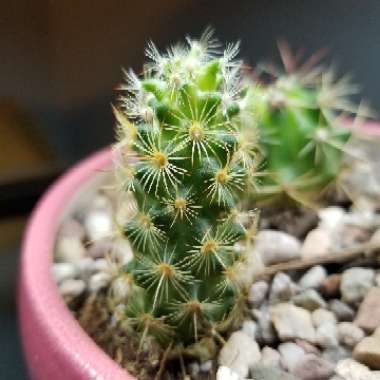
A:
302	130
185	150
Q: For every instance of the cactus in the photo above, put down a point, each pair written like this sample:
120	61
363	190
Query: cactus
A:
303	137
185	150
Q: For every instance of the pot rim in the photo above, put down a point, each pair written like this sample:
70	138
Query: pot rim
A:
38	292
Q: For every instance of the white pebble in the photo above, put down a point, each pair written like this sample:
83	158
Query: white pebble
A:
72	288
98	224
257	293
330	217
99	281
349	334
321	316
276	246
250	328
63	271
313	278
226	373
206	366
291	355
327	335
101	265
69	249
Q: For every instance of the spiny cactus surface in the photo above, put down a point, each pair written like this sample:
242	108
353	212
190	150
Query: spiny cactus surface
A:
186	145
302	130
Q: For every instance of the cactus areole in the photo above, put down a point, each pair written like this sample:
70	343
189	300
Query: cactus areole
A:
186	149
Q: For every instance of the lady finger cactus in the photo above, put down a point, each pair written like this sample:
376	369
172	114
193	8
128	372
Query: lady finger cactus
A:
185	149
303	134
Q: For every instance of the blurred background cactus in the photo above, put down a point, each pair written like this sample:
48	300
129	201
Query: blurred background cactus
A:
303	118
186	146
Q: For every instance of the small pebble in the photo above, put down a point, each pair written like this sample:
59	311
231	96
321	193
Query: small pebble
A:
292	322
309	299
317	243
193	368
69	249
327	335
206	366
355	284
331	286
270	357
71	228
282	288
72	288
250	328
312	367
321	316
342	311
331	217
350	334
291	354
257	293
350	369
313	278
99	281
240	353
63	271
226	373
98	225
276	246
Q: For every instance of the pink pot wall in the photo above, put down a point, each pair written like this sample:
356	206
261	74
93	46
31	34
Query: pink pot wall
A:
55	346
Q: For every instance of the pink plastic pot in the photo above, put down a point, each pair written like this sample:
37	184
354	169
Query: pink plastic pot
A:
55	346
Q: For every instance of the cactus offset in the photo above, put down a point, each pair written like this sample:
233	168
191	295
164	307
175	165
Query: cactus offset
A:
303	134
180	151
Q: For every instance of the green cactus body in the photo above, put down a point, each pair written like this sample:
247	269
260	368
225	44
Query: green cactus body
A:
180	152
303	138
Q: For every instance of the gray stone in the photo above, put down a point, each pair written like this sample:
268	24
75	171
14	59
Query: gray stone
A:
292	322
349	334
313	278
309	299
342	311
257	293
263	372
240	353
355	284
291	354
312	367
282	288
276	246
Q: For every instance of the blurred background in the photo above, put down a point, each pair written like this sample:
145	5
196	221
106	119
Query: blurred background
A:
60	62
